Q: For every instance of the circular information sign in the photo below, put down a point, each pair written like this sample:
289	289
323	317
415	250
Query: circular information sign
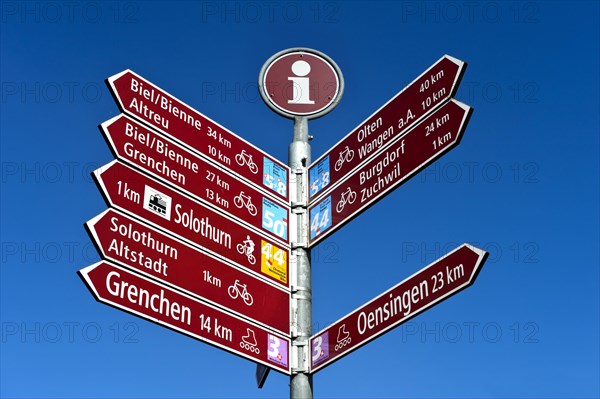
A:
301	82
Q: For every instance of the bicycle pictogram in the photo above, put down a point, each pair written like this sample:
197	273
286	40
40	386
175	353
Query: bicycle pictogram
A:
249	341
343	338
246	159
246	248
345	156
348	197
244	200
241	290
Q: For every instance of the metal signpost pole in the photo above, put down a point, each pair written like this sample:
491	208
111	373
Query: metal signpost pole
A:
300	84
416	127
301	384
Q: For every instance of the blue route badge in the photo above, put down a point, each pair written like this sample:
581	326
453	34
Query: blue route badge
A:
274	177
320	217
274	219
319	176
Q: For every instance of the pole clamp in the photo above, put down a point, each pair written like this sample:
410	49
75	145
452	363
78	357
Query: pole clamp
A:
297	288
299	206
301	245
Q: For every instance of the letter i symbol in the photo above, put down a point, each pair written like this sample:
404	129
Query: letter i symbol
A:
300	68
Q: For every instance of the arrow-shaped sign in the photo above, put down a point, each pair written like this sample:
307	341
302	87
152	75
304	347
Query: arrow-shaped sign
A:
155	302
171	163
428	141
388	123
424	289
172	262
139	195
143	100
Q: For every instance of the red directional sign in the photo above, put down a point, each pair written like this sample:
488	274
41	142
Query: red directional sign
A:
173	164
192	221
424	94
146	250
424	289
145	101
428	141
155	302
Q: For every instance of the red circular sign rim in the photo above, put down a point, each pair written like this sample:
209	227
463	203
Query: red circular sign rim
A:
335	98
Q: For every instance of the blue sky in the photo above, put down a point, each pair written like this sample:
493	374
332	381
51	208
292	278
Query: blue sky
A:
523	184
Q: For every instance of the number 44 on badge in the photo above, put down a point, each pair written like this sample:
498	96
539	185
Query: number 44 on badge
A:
320	218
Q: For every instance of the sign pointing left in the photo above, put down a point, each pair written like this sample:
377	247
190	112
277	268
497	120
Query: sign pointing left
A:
187	219
133	143
147	251
152	301
166	113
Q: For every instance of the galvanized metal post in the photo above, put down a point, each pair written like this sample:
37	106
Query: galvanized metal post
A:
295	65
301	383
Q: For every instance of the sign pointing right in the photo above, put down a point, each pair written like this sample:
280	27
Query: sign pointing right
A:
424	289
427	92
400	161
